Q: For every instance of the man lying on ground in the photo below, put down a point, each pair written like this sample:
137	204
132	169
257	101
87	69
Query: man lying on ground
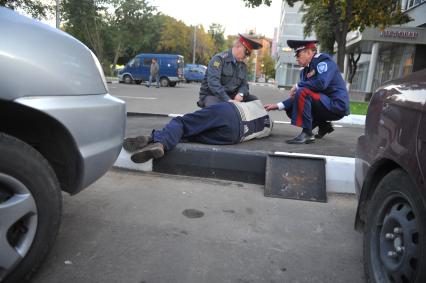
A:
221	123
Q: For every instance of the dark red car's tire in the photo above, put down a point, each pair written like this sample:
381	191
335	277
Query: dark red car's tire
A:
395	232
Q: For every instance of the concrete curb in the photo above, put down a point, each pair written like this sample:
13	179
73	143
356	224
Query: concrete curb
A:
339	170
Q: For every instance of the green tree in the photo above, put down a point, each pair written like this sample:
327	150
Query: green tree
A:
205	47
216	32
176	37
316	19
36	8
268	66
86	20
131	27
348	15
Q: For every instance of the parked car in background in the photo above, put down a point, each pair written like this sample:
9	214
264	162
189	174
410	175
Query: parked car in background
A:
390	182
137	70
60	131
194	72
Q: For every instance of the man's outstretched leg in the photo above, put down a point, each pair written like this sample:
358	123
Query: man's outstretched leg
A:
217	124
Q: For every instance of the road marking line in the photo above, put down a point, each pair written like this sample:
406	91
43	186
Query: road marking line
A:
152	98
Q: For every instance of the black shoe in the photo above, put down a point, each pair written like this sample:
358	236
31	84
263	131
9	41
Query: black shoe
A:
153	150
136	143
324	129
147	85
302	138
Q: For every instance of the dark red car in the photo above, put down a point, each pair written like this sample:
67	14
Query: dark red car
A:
390	182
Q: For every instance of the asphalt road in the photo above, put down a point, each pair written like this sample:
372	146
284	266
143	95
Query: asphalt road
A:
136	227
182	98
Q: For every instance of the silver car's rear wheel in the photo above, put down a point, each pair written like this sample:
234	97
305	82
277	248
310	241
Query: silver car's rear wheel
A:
30	209
18	221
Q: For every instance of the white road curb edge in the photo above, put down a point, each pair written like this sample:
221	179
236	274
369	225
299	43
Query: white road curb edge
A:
339	171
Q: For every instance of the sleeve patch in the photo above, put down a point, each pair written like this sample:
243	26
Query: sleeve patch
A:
216	64
322	67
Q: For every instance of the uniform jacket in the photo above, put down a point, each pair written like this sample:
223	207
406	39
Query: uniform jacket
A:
323	76
224	77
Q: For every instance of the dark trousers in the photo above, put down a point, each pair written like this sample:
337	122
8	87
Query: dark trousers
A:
307	111
217	124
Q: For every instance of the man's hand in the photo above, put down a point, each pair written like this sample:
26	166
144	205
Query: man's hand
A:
293	91
269	107
238	98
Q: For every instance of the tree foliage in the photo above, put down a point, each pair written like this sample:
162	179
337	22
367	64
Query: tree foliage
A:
35	8
342	16
216	32
268	66
85	20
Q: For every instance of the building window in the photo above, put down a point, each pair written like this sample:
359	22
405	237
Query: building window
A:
412	3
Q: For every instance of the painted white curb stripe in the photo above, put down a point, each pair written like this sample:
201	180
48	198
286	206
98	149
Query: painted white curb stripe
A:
124	162
339	171
133	97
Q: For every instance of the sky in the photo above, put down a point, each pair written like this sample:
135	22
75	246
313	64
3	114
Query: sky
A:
231	14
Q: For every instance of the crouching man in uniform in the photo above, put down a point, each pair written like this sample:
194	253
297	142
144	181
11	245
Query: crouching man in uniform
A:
318	98
221	123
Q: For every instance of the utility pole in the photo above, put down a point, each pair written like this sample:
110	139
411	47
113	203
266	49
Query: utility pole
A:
255	65
58	18
195	40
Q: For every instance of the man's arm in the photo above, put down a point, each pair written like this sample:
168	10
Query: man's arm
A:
214	71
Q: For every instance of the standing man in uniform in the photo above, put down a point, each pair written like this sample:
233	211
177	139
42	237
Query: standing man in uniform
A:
318	98
226	75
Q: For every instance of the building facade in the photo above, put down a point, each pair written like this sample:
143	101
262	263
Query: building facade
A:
393	52
291	27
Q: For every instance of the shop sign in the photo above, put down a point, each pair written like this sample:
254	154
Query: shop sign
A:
399	34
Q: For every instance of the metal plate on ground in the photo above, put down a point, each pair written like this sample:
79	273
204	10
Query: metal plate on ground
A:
295	177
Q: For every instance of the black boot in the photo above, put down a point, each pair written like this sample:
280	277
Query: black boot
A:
133	144
152	150
323	129
306	136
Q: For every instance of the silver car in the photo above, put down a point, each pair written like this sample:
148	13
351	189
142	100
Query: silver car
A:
60	130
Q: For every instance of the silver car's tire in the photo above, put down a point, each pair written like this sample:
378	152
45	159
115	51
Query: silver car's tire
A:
30	209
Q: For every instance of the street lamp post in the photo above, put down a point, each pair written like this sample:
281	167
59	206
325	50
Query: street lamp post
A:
58	18
195	40
255	65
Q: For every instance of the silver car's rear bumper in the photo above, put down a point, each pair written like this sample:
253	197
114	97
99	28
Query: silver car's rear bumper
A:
96	123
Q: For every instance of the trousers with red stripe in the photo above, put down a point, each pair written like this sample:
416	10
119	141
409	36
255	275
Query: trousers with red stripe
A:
307	110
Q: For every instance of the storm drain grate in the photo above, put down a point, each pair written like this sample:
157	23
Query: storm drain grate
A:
294	177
